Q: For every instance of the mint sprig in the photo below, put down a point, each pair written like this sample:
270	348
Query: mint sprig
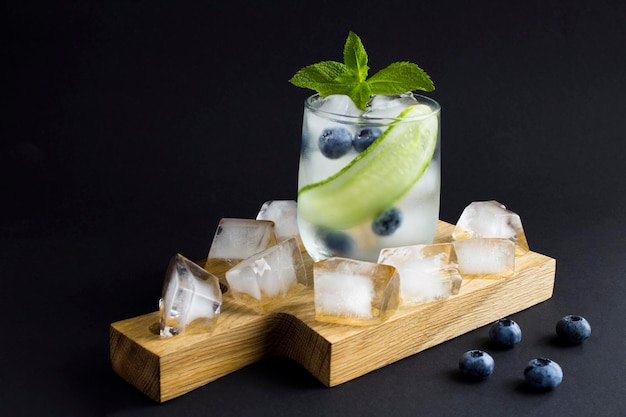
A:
350	77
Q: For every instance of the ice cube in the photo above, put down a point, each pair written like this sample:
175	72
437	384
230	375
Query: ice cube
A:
314	166
339	104
348	291
283	214
388	106
485	257
417	223
191	298
491	219
427	272
266	279
238	239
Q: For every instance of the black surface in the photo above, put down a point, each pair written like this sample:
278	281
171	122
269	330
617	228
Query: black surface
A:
131	127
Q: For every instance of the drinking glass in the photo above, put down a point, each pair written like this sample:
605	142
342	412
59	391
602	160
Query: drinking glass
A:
370	179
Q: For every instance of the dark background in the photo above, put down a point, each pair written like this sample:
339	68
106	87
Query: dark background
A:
129	128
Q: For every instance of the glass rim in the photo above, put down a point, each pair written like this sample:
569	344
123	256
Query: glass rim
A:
346	118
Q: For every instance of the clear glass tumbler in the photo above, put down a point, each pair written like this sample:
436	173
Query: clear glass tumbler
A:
368	179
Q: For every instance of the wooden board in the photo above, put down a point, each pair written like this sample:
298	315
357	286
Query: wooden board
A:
165	368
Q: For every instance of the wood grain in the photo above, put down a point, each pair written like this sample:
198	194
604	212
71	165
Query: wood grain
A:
164	369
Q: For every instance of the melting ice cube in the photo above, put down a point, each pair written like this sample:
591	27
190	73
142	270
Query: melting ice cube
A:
340	105
191	298
354	292
388	106
491	219
334	111
283	214
267	278
237	239
427	272
485	257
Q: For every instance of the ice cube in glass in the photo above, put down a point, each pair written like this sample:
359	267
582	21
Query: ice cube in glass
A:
427	272
267	279
283	214
191	298
485	257
354	292
237	239
388	106
491	219
339	104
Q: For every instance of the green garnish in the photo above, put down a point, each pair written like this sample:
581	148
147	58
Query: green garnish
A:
350	77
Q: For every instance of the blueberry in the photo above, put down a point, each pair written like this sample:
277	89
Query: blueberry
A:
335	142
543	373
476	364
387	222
505	333
573	329
364	137
338	243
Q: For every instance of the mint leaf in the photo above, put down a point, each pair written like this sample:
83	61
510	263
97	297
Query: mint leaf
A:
355	57
353	81
321	77
400	77
350	77
361	94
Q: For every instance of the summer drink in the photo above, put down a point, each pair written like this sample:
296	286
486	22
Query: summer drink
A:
354	201
369	174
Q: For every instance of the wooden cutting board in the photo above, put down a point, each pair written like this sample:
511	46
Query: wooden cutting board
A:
165	368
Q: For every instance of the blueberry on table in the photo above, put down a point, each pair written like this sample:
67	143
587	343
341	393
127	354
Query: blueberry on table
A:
387	222
335	142
543	374
573	329
476	364
505	333
364	137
